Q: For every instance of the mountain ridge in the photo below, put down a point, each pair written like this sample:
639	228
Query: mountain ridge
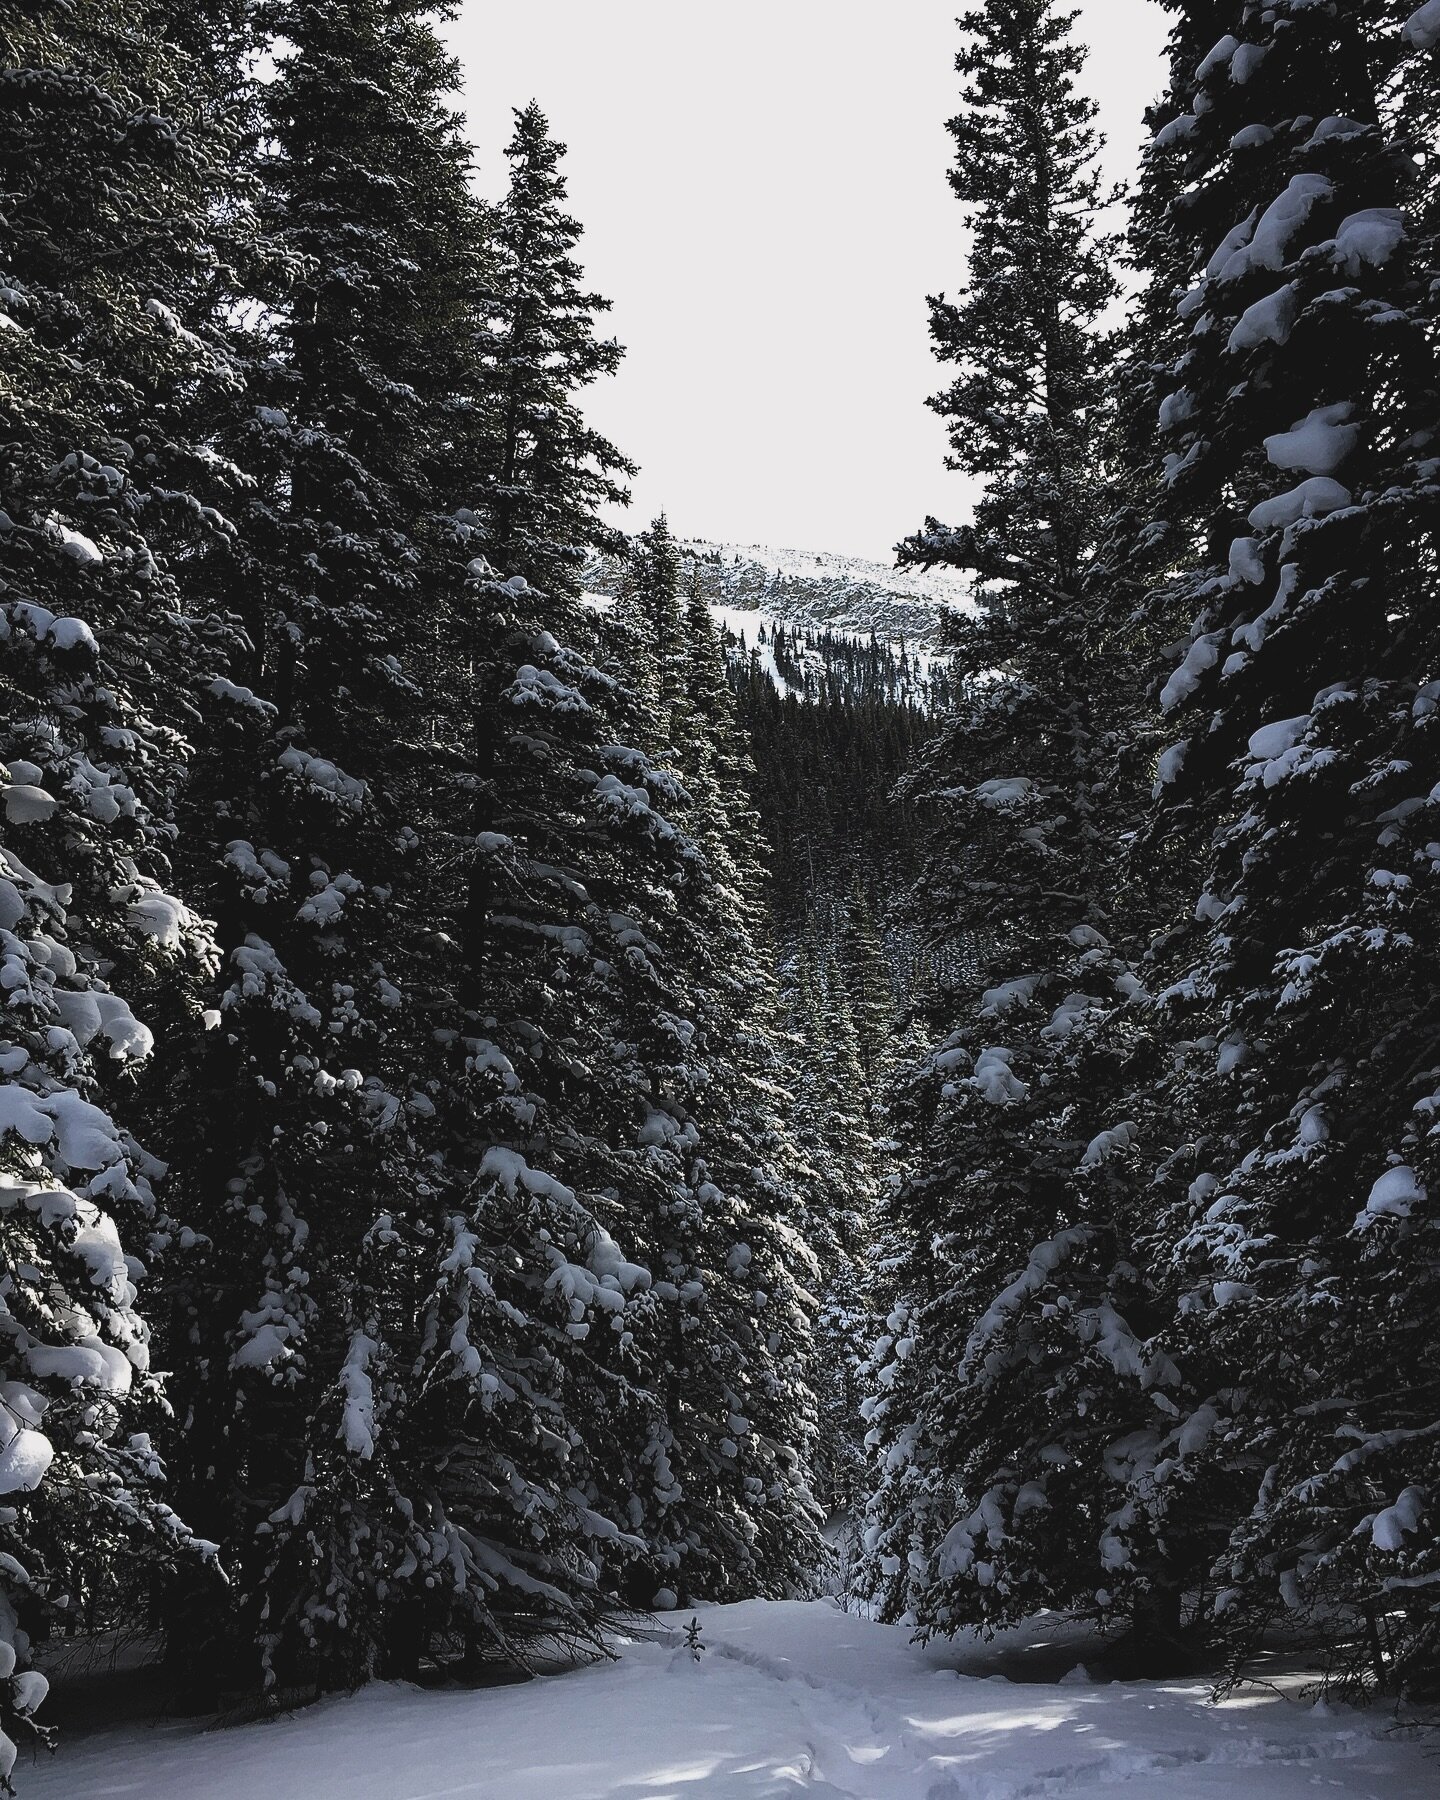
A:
819	590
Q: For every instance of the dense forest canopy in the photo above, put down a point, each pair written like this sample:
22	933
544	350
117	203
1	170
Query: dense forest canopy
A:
523	1102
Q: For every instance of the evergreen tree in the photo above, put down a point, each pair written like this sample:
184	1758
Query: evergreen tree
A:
651	605
870	983
298	1127
1023	409
1286	203
547	472
556	1007
603	1411
1016	1366
116	165
833	1126
734	1386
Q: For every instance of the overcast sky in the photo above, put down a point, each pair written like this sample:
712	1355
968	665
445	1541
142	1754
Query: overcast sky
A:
763	192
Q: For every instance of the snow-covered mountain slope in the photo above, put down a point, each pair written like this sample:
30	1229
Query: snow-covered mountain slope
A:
814	589
805	660
788	1699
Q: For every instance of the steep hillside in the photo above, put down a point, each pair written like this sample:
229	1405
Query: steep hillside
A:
812	589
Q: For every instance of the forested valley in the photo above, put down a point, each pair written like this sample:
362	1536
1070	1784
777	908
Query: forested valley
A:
529	1103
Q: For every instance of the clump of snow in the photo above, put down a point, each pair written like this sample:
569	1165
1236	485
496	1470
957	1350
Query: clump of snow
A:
322	777
170	324
1246	60
1045	1259
1394	1196
1176	131
994	1079
1390	1528
24	1459
533	686
1191	303
1251	137
1246	562
1003	792
1218	58
28	1690
612	1268
268	1342
160	916
75	545
97	1244
1253	635
1231	244
513	1173
1203	654
1018	991
72	634
1318	443
1333	126
1169	764
1176	408
243	697
1103	1146
1070	1013
1268	321
1277	227
64	633
1272	749
1311	500
1422	29
327	902
1368	239
85	1136
92	1364
357	1425
27	805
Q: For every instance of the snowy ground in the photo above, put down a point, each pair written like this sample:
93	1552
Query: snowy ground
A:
789	1700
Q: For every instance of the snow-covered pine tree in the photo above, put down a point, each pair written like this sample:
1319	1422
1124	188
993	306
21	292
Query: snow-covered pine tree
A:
844	1077
116	171
1291	217
547	472
649	609
1023	410
729	1353
570	1256
871	986
747	1134
831	1120
551	1000
1015	1371
299	1125
534	1399
758	1304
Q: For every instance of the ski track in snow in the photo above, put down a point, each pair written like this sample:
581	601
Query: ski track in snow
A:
789	1699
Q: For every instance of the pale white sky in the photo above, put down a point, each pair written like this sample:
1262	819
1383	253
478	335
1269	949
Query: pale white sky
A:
762	186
